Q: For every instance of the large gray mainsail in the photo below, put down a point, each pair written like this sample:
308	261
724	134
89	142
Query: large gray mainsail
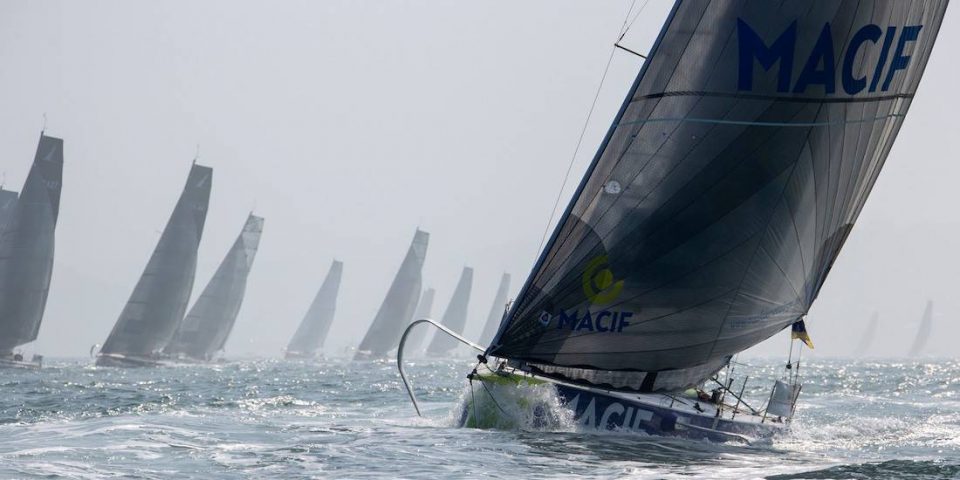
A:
723	191
455	316
415	342
398	306
158	302
923	331
27	246
497	311
206	328
315	325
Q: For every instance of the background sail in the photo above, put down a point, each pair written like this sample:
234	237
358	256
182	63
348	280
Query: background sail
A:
415	342
27	247
923	332
455	316
868	335
159	300
724	189
496	311
397	308
315	325
206	328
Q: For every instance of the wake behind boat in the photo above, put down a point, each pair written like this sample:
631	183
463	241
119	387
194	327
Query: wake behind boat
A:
711	215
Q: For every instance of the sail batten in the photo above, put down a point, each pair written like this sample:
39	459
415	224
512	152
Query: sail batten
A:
28	227
314	327
159	300
206	328
398	306
724	190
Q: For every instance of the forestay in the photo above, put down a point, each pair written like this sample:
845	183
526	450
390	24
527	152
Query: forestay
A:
159	300
206	328
27	246
723	191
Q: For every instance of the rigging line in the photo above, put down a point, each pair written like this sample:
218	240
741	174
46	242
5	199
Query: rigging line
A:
626	18
576	150
634	19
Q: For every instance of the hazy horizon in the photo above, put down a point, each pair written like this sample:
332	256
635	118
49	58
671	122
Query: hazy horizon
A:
348	125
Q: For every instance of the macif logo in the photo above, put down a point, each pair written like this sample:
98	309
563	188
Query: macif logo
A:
820	67
600	288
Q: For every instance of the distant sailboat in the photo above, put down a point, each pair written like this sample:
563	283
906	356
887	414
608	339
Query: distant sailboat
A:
206	328
26	251
923	332
315	325
868	335
398	306
158	302
415	344
497	310
455	316
710	216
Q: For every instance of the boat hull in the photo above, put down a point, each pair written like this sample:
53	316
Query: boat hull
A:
10	362
127	361
596	409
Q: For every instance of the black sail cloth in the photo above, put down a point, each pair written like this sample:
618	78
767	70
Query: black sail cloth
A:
724	190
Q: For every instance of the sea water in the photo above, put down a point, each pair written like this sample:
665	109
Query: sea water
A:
341	419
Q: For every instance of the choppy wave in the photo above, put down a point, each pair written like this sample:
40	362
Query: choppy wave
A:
333	419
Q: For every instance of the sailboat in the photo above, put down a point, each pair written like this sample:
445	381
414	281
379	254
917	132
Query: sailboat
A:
205	330
424	309
159	300
497	310
399	304
868	335
710	216
315	325
28	222
454	317
923	332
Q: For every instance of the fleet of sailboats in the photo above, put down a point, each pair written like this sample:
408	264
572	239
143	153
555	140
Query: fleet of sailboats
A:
707	222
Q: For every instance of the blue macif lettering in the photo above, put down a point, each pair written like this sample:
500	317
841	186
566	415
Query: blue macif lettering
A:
900	61
884	51
586	323
813	73
564	318
623	320
752	47
851	84
600	316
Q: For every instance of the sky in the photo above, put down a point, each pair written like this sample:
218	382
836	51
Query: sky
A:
349	123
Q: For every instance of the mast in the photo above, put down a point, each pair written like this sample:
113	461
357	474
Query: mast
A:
397	307
207	327
159	300
315	325
455	316
723	192
497	311
27	246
